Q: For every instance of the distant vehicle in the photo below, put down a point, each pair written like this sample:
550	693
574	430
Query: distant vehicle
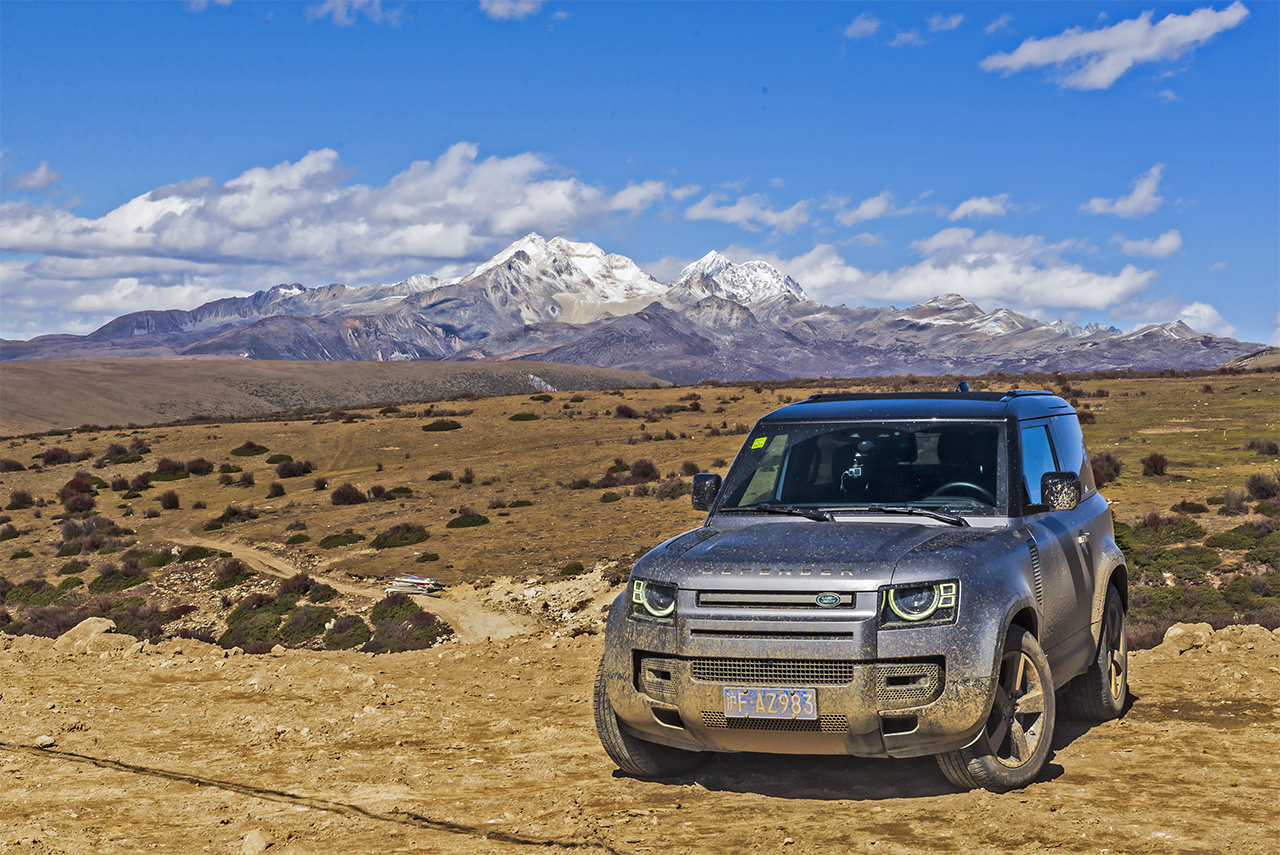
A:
891	575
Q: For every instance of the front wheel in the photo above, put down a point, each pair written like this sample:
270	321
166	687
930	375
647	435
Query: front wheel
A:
1099	693
1013	747
637	756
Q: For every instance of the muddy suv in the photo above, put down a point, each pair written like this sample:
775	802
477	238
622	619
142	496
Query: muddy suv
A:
881	576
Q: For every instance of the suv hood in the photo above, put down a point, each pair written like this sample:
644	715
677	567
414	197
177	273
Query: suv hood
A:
862	555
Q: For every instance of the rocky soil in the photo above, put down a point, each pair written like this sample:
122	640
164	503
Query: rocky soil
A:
486	745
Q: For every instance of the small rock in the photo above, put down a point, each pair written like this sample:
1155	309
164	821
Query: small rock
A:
278	650
45	741
256	842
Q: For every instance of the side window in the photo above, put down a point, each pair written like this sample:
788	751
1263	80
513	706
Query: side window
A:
1068	440
1037	459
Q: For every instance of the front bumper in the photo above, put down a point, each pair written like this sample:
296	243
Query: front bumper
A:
899	693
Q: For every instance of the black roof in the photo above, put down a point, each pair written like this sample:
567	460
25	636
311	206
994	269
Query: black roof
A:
1016	404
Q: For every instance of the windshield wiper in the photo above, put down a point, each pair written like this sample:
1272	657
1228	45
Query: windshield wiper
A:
951	519
815	514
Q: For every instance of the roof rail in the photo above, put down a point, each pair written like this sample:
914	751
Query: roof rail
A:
972	396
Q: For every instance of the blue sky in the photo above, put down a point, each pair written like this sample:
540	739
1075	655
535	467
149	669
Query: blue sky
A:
1105	162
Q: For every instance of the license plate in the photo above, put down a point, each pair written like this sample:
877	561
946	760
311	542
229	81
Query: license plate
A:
770	703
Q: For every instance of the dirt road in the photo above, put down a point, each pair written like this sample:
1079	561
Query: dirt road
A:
489	748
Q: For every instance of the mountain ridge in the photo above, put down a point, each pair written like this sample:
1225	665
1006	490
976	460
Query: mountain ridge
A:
571	302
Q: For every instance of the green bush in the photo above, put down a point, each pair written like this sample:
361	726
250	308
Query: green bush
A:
403	534
232	572
1244	536
419	631
35	592
279	458
1159	531
195	553
1267	508
298	538
321	593
22	553
521	503
258	627
116	579
610	497
427	557
250	449
72	568
573	568
442	424
395	607
467	521
524	417
347	538
305	623
347	632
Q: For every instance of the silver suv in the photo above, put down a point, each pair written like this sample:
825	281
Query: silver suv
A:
881	576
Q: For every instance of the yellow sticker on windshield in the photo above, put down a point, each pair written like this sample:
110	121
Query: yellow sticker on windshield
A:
758	443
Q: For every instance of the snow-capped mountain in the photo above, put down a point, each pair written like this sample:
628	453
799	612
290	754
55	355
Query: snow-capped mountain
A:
562	301
749	283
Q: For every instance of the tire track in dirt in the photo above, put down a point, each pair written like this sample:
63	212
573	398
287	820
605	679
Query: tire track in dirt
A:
460	608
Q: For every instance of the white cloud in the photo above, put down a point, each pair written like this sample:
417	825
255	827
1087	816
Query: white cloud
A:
301	221
1167	96
871	208
682	193
1274	341
201	5
981	206
1024	273
37	180
343	12
1142	201
862	27
1201	317
1000	23
1161	247
507	10
749	212
1221	265
908	38
1095	59
940	23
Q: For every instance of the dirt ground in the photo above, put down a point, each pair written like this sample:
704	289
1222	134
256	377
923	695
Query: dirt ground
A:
486	745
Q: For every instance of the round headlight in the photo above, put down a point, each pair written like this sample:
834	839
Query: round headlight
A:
914	603
659	600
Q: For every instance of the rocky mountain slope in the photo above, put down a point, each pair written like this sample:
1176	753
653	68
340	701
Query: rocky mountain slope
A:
560	301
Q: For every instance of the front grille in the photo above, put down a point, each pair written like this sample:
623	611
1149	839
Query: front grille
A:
907	684
823	724
782	635
772	672
771	600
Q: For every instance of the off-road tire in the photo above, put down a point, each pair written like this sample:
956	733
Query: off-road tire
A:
1014	745
1099	694
637	756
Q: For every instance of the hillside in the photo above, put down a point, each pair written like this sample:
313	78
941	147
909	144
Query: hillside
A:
39	396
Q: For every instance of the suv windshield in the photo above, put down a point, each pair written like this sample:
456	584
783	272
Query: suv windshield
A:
953	466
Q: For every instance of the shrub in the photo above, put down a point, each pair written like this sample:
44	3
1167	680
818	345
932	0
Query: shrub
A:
467	477
298	538
1267	509
305	623
521	503
8	465
79	503
573	568
333	541
249	449
21	553
1233	504
1262	485
442	475
428	556
1106	467
1186	507
524	417
1157	530
610	497
18	500
421	630
35	592
321	593
442	424
625	411
253	630
467	518
237	514
403	534
1268	447
643	470
298	584
194	553
71	568
169	467
199	466
246	479
348	494
393	607
278	458
113	578
140	482
293	468
347	632
377	491
1154	464
9	532
56	457
321	484
169	500
672	489
230	573
275	491
689	468
228	469
1243	536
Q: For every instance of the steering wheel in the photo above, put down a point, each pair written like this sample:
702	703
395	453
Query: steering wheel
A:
965	488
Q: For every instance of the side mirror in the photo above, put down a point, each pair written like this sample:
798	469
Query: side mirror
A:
1060	490
706	486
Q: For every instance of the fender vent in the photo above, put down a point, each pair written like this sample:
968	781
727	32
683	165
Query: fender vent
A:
1035	572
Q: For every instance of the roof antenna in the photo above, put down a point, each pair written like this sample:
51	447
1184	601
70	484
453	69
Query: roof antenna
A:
963	386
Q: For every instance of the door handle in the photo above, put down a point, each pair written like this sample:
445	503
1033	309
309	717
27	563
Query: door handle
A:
1082	538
